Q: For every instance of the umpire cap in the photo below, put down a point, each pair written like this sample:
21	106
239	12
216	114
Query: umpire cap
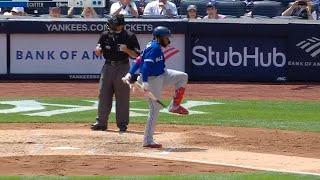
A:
161	31
116	20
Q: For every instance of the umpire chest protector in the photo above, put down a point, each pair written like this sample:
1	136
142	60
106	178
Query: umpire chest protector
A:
111	42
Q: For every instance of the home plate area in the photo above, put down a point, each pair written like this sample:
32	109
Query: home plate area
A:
80	151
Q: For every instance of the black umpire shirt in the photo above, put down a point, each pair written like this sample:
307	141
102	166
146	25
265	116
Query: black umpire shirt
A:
109	43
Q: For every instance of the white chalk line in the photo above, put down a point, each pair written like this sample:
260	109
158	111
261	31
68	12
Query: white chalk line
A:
163	155
222	164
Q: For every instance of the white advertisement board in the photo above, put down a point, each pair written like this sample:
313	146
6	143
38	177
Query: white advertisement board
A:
3	53
73	54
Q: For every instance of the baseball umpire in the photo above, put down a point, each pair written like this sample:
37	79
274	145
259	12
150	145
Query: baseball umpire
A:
117	45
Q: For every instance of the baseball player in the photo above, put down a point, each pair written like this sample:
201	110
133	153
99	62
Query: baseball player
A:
154	77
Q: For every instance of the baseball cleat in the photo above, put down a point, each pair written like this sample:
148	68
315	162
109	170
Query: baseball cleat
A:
179	110
153	145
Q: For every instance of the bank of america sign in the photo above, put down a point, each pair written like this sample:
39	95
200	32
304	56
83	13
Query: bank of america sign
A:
310	46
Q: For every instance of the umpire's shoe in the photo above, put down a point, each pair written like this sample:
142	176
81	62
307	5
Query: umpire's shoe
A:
122	128
98	127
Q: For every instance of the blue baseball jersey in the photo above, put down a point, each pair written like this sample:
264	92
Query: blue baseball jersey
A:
152	61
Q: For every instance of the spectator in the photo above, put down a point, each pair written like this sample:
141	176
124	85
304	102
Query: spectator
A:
212	12
15	11
161	7
141	5
54	12
89	12
302	9
192	12
124	7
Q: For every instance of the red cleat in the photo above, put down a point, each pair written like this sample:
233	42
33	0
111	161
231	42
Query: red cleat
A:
154	145
179	110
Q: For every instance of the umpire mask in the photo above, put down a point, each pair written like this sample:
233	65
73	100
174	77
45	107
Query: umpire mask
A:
116	23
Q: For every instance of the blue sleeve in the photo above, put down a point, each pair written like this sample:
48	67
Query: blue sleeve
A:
148	59
145	71
135	66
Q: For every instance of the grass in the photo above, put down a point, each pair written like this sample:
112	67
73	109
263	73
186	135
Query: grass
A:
289	115
217	176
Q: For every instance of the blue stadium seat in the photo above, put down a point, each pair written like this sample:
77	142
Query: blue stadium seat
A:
231	8
201	6
266	9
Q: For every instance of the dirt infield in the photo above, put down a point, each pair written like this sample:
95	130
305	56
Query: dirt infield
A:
72	149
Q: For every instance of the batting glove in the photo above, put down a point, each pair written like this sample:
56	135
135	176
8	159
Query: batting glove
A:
145	86
126	78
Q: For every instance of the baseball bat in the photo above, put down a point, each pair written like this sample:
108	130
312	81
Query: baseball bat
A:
149	94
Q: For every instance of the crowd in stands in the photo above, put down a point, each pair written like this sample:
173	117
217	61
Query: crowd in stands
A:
190	9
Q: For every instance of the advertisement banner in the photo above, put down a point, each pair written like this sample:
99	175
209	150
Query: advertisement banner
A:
54	54
3	54
238	58
71	26
304	56
72	54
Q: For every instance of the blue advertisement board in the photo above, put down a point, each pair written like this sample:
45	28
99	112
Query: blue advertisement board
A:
304	53
80	26
242	58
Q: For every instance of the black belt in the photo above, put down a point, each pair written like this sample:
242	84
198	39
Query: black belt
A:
116	63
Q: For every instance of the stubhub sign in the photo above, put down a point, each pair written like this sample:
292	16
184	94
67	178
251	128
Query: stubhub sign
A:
3	54
238	58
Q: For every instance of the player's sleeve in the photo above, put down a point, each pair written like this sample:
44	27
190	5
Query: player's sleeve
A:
135	66
149	59
146	70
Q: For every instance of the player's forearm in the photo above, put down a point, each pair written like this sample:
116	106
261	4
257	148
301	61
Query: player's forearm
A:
135	66
145	69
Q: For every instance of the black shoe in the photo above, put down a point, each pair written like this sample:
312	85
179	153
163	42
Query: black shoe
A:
123	128
98	127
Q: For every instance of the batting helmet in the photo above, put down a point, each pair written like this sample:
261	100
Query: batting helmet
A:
161	31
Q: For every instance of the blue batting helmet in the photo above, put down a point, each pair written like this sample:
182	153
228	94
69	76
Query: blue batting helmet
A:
161	31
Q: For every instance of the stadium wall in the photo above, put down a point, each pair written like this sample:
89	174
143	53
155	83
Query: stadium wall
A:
225	50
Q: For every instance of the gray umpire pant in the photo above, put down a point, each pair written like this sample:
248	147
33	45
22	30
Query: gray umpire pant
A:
111	84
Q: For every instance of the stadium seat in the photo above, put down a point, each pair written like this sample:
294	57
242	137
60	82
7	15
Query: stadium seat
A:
266	9
231	8
201	6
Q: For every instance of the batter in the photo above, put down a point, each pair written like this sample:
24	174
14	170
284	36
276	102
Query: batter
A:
154	76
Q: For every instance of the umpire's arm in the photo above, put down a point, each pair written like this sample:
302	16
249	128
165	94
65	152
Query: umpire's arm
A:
133	46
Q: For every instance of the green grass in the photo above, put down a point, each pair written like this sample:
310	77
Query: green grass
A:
289	115
218	176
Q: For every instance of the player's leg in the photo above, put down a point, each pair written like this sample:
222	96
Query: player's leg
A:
122	94
155	85
179	80
105	98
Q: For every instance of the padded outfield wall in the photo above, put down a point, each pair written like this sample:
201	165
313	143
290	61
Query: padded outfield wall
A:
227	50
